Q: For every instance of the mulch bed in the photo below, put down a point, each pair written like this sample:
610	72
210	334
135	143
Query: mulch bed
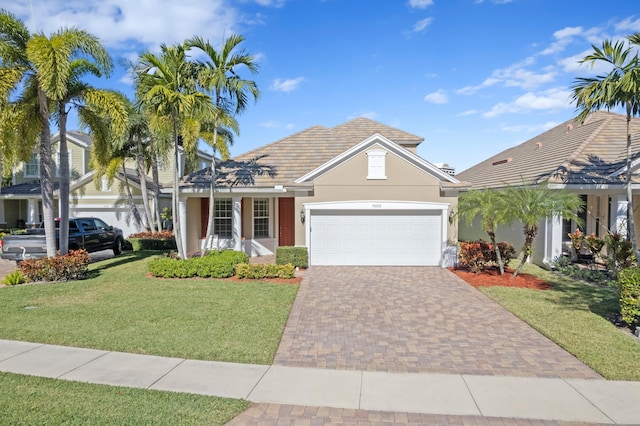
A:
491	278
296	280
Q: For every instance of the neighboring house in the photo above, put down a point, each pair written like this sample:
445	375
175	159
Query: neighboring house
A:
21	203
354	194
587	158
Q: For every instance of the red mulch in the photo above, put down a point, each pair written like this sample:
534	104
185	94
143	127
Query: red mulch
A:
492	278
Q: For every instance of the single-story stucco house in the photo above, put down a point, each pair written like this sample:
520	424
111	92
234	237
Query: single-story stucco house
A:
354	194
587	158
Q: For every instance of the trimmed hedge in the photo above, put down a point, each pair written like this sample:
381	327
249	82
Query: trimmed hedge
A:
138	244
297	256
216	264
629	293
256	272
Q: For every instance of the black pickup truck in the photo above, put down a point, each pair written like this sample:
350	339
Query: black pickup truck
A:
88	233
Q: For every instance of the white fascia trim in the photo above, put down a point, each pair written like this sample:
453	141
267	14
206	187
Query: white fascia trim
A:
126	208
376	205
106	197
635	164
593	186
388	144
275	191
70	138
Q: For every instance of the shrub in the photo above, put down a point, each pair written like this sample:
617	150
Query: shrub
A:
216	264
594	244
14	278
257	272
71	266
577	238
619	253
152	240
297	256
477	255
629	293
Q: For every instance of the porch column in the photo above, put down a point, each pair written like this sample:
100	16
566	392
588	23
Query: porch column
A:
237	223
182	212
619	207
552	239
33	213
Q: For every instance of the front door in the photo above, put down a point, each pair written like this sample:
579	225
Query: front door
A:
286	234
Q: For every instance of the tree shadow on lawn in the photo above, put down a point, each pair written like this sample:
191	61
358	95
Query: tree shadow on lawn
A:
582	296
98	268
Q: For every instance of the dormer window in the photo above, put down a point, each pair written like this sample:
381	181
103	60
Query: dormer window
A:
377	166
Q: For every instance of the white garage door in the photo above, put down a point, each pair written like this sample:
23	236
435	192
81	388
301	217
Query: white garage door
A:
114	216
364	237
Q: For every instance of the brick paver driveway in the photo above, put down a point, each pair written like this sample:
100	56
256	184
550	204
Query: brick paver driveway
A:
418	319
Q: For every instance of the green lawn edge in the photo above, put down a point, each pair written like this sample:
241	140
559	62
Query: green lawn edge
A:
575	315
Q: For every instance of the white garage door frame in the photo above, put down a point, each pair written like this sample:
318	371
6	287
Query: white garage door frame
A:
118	216
378	206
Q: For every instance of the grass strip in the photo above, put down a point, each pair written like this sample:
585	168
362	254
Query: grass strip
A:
27	400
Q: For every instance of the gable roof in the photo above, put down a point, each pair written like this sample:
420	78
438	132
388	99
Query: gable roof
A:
571	153
79	138
372	140
296	155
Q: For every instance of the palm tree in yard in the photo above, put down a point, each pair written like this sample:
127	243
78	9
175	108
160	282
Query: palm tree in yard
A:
102	111
620	87
489	206
218	74
531	204
35	71
166	86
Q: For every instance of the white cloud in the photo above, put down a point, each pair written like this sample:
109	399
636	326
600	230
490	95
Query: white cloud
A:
420	4
468	112
563	38
286	85
547	100
515	75
438	97
132	25
495	1
272	124
372	115
271	3
422	25
628	25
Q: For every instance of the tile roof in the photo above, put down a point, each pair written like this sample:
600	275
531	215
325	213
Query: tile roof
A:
25	189
292	157
570	153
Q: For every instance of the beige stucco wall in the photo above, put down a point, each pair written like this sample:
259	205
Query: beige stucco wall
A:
77	164
348	182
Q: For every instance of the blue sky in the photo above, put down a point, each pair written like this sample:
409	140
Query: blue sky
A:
473	77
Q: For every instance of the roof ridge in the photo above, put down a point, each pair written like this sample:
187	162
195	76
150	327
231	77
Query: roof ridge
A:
308	129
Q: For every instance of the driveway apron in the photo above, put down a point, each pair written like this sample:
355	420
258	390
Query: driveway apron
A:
413	319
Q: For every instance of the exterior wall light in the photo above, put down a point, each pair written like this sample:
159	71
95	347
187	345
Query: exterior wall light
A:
452	215
303	216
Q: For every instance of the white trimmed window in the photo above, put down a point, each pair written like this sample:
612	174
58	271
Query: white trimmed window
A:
58	163
105	184
32	167
376	164
223	217
261	217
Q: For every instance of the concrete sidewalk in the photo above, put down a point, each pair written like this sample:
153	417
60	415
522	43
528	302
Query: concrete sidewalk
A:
570	400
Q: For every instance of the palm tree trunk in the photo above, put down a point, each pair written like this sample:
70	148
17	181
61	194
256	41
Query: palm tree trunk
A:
631	228
177	231
140	166
132	203
46	175
156	189
492	237
63	192
212	188
530	235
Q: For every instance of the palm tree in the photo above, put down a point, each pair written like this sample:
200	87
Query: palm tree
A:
620	87
166	86
218	74
102	111
38	67
531	204
489	205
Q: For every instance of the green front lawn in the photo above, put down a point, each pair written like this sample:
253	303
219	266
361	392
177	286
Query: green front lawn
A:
29	400
122	309
575	316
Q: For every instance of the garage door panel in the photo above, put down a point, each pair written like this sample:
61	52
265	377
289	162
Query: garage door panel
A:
397	237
